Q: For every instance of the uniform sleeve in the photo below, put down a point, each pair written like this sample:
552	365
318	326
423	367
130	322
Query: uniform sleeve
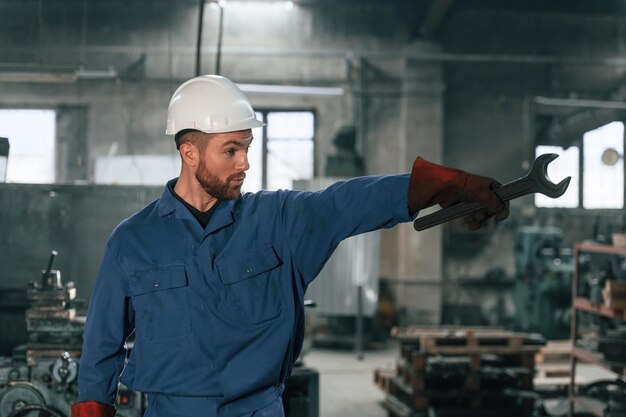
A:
109	322
315	223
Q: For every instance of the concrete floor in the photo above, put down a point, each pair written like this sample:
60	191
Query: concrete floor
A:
347	386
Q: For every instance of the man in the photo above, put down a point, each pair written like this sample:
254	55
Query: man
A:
212	281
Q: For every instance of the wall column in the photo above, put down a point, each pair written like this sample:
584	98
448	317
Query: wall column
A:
413	260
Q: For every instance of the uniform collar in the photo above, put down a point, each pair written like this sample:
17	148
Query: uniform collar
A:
168	204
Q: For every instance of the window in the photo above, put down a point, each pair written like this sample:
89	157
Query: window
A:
603	184
31	136
136	169
282	151
602	170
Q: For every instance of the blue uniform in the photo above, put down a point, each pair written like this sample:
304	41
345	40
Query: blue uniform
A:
218	312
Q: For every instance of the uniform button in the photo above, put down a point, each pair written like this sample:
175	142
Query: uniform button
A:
248	269
156	283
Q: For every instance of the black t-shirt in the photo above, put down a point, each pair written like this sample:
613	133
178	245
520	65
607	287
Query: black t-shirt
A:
203	217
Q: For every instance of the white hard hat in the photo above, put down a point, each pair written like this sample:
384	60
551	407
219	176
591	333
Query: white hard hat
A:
210	104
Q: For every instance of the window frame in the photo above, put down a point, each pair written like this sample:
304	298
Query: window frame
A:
265	111
581	172
56	151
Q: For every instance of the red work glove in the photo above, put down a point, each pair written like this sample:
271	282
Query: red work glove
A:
92	409
435	184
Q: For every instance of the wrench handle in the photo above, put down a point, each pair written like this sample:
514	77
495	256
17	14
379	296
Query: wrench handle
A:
445	215
507	192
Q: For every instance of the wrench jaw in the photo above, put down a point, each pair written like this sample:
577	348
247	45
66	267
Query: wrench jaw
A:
556	190
550	189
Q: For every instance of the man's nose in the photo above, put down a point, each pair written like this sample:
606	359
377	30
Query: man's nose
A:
243	163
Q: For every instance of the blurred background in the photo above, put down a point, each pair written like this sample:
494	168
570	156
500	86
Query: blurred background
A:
347	88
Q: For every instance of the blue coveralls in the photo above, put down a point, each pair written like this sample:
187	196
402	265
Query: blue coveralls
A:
218	312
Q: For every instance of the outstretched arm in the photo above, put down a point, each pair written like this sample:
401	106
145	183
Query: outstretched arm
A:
315	223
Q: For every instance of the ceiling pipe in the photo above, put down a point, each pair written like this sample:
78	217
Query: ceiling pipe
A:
199	38
608	61
220	34
581	103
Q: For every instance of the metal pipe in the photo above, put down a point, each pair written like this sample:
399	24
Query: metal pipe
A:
199	39
264	152
527	123
359	93
291	89
359	323
574	102
46	272
608	61
220	34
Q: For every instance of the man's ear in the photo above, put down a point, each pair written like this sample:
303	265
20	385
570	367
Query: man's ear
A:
189	153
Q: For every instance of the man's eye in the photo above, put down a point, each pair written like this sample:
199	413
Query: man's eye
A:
230	151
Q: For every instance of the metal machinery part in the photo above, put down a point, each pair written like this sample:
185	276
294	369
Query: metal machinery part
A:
40	378
18	395
64	369
544	269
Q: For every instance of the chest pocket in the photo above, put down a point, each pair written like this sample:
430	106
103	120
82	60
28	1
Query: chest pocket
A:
161	303
252	285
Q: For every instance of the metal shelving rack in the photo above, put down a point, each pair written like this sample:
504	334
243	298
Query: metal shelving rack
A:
579	353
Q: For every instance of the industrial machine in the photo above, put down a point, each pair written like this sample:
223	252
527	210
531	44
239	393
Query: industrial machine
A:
544	269
40	377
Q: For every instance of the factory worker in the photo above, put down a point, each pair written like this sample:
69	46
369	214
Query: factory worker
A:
212	281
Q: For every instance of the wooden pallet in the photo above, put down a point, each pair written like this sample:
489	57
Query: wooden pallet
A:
382	379
462	342
414	386
395	388
395	408
417	379
555	351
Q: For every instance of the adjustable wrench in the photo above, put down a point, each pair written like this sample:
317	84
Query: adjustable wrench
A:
536	181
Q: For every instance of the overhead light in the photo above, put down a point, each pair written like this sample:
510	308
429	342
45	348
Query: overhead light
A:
105	73
291	89
24	73
12	73
610	156
289	4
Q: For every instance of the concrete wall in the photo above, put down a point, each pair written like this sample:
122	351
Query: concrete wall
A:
74	220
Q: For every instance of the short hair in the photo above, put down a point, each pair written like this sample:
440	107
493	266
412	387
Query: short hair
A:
195	137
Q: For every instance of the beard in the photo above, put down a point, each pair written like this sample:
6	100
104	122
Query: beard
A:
215	187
